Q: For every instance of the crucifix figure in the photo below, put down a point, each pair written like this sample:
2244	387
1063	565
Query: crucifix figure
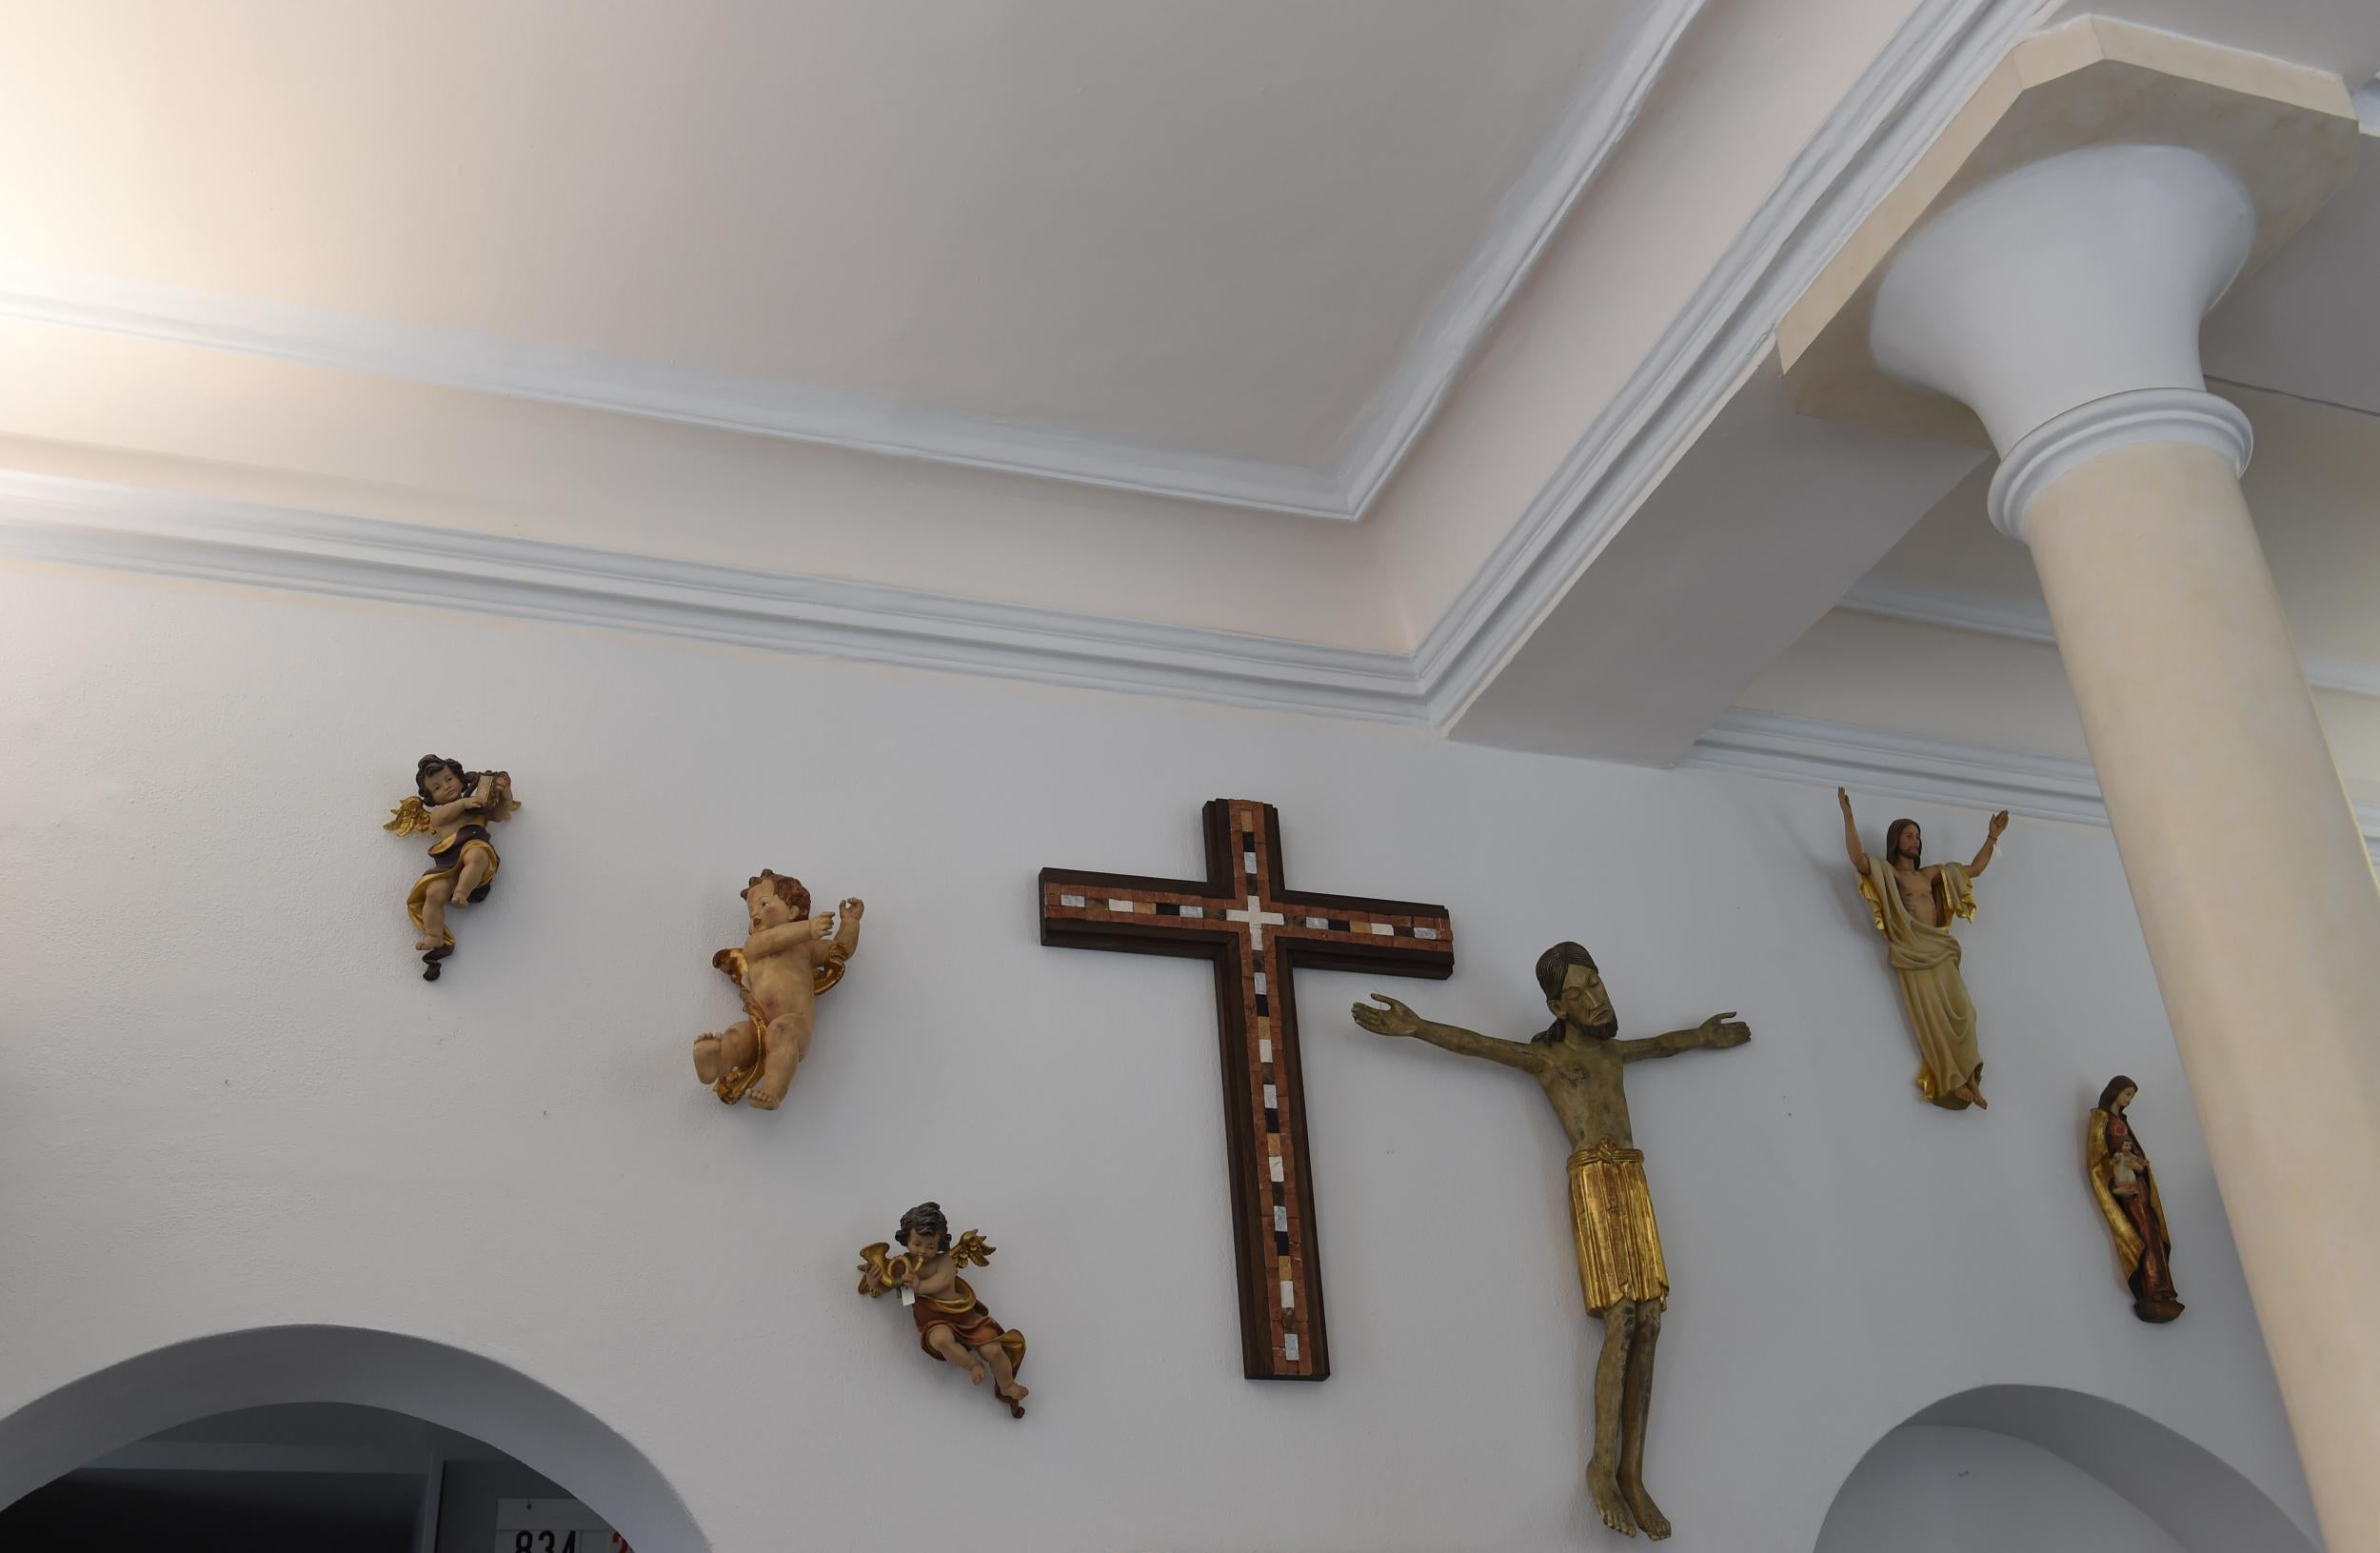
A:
1581	1064
1256	933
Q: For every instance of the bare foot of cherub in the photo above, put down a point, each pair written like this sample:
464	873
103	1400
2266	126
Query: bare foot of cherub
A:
1604	1485
976	1374
425	943
1649	1517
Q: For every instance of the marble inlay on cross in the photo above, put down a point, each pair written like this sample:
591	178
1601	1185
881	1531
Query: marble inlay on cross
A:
1256	933
1258	920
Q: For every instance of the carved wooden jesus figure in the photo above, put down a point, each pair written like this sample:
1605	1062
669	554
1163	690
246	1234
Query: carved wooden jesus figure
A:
1581	1064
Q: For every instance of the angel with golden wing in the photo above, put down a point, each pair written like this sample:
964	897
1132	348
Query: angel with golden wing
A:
952	1323
454	809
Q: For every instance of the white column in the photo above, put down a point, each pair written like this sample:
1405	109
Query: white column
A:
2062	304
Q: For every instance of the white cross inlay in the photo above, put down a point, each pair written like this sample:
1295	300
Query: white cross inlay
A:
1257	919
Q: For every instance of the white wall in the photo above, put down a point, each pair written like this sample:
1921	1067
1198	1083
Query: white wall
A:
226	1099
1929	1489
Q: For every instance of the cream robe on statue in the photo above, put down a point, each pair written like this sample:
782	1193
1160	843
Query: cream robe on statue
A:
1925	959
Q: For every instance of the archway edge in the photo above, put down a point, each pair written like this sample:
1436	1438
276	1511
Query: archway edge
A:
2202	1502
264	1367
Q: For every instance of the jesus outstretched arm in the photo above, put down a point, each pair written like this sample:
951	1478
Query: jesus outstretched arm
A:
1395	1019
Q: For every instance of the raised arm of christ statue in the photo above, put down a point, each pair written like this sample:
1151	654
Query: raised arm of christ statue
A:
1581	1064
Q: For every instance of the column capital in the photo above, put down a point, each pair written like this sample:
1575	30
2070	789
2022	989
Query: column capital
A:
2066	282
2081	434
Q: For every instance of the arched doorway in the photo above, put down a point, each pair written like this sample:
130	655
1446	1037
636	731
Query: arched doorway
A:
2041	1469
270	1367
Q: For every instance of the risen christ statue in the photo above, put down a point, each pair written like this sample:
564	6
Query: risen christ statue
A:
1579	1063
1913	903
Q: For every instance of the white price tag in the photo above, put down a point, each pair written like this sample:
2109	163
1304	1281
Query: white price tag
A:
552	1525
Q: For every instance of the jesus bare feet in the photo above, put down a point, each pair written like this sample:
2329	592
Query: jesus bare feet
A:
1972	1095
1604	1485
1649	1517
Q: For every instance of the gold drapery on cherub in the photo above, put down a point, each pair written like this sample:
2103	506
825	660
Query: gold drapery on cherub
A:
734	1084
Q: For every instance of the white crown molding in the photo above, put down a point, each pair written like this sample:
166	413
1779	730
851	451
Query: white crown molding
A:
1892	113
2028	619
1894	110
1916	767
1531	213
1458	323
451	358
211	539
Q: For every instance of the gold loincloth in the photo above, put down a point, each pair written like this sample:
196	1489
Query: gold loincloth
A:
1611	1217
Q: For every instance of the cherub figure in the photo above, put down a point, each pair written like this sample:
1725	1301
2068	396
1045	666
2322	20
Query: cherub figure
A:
455	807
790	958
952	1323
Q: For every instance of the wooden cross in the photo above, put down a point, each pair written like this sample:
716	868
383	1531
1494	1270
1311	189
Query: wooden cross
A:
1257	932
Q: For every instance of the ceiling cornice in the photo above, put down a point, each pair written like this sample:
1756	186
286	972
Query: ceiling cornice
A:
1459	322
2028	619
221	540
1919	768
46	518
1892	113
592	380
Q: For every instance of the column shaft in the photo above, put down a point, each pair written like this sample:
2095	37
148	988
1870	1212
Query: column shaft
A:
2258	903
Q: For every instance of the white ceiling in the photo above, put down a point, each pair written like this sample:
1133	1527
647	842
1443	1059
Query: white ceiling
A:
1224	232
2309	320
2342	36
1216	225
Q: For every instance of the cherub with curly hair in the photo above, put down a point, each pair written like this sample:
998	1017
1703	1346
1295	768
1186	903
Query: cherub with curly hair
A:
789	958
455	807
952	1323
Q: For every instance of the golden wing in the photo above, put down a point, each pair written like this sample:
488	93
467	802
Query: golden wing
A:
407	817
829	970
971	1248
